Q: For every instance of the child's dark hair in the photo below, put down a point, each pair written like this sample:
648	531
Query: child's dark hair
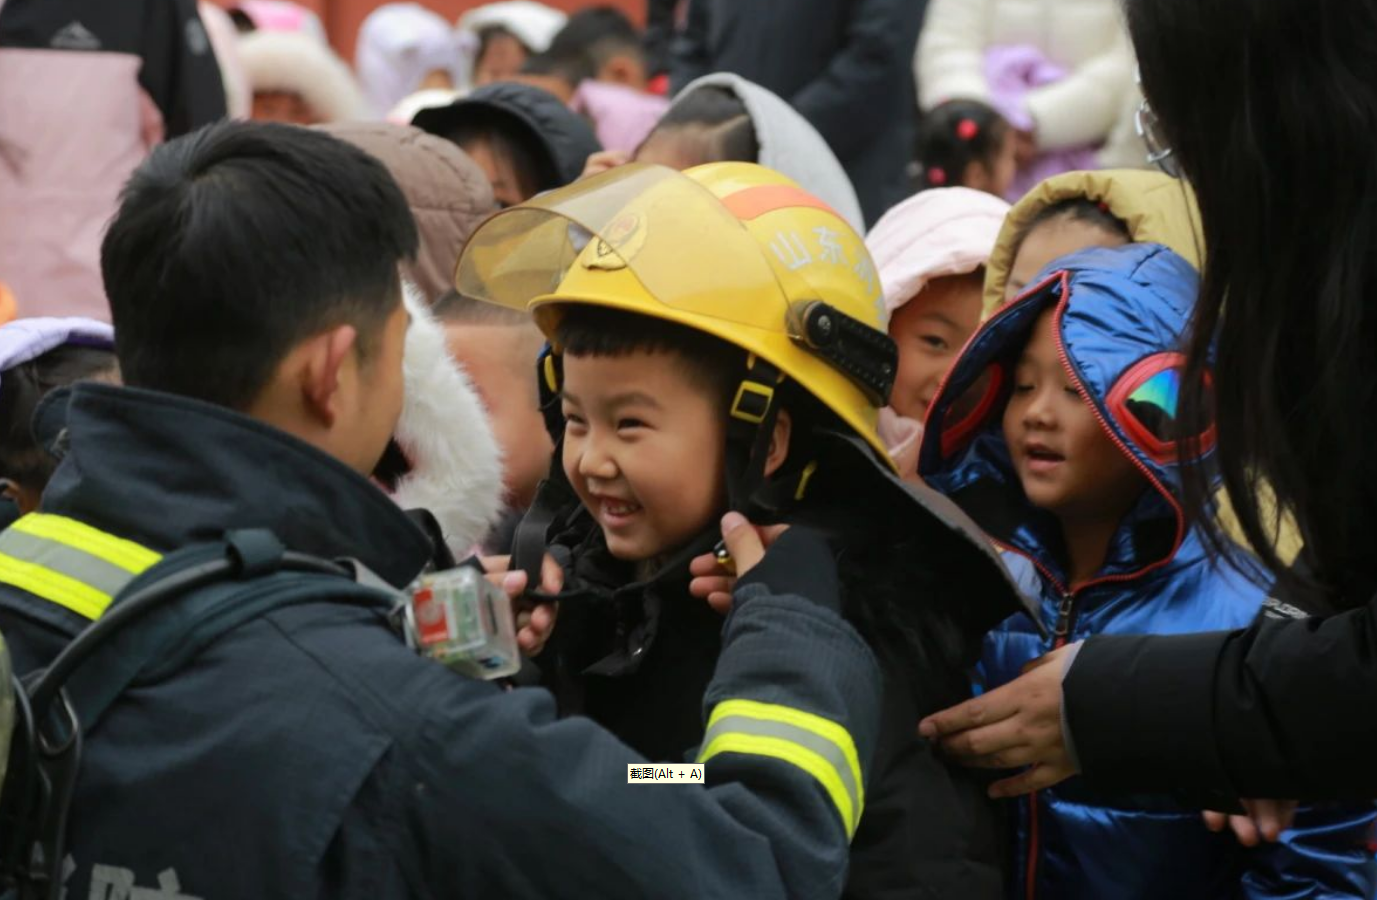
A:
954	135
598	34
569	66
22	460
508	137
718	118
490	33
713	364
1076	209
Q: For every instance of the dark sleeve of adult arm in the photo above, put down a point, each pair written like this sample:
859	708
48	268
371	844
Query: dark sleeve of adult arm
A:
793	714
689	54
1281	709
879	48
179	69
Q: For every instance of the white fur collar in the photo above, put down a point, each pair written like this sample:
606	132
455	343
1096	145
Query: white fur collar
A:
456	464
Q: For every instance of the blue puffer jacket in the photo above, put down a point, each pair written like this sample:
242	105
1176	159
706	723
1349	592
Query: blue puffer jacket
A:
1120	317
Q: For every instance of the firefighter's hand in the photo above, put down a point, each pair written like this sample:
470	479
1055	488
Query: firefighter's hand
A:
1016	725
1265	821
746	544
535	622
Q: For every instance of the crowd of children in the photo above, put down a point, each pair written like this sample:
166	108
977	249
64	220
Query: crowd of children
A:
642	333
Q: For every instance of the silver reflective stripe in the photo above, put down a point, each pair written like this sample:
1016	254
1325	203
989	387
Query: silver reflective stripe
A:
65	560
794	735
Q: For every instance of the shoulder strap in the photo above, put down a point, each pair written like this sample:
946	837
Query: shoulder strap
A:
197	592
156	624
167	639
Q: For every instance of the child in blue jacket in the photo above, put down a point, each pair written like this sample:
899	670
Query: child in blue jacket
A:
1055	432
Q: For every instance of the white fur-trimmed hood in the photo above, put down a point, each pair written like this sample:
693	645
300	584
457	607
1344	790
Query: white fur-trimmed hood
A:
297	63
444	431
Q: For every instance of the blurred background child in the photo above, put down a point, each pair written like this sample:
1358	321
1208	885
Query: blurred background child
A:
37	356
523	138
964	143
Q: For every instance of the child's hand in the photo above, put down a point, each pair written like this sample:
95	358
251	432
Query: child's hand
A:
603	160
1265	821
903	437
747	544
535	622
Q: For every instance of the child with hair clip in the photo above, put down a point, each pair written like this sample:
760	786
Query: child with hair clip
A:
1057	432
965	143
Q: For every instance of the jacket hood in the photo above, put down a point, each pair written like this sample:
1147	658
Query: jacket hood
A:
456	466
399	44
534	24
551	127
1157	209
1120	316
25	340
447	192
790	145
933	234
294	62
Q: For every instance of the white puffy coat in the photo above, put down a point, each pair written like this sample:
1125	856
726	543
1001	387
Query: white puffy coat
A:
1093	104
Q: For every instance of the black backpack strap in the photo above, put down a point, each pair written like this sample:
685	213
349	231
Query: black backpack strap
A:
154	626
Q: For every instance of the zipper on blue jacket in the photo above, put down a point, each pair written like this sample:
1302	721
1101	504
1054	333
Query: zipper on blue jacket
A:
1064	611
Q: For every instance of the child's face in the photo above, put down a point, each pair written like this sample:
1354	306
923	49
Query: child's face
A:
996	176
502	57
507	186
500	359
1051	241
1067	463
282	106
930	330
645	448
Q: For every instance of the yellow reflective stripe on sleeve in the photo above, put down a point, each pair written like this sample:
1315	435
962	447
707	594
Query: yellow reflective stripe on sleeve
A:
824	728
818	746
70	563
63	590
117	551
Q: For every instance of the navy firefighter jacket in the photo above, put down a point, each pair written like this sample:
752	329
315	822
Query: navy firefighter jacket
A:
309	752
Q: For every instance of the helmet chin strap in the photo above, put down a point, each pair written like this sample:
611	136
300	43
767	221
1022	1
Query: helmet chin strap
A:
750	428
554	493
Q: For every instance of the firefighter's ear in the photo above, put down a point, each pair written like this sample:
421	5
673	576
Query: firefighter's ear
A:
779	443
330	365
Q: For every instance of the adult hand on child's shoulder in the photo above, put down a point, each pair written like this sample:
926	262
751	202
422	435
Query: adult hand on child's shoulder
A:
746	543
1016	725
535	622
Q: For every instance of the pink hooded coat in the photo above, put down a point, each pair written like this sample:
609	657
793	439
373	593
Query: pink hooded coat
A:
933	234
